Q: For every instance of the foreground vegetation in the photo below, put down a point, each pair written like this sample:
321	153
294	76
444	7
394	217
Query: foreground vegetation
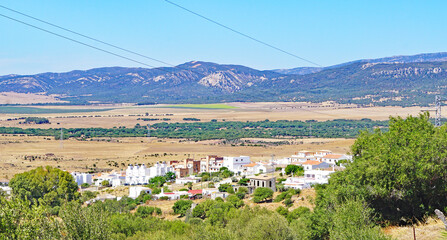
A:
339	128
396	177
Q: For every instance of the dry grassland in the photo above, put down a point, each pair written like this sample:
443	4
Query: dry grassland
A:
432	230
125	115
26	98
82	155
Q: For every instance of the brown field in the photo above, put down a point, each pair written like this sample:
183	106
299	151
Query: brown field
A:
102	154
82	155
127	115
26	98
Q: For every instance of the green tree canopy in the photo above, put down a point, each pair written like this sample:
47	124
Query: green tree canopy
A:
45	185
402	173
260	194
295	169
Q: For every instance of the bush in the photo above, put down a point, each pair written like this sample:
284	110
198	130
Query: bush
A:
85	185
288	202
226	187
144	211
158	211
181	206
282	210
261	194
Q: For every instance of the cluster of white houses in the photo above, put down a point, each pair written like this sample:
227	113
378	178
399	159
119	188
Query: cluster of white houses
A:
317	166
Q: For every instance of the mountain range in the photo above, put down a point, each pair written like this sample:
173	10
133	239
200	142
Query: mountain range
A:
399	80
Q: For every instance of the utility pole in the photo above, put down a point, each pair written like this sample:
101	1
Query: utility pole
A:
310	135
437	110
62	139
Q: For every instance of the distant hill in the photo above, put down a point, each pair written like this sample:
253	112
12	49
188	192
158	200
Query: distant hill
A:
424	57
400	80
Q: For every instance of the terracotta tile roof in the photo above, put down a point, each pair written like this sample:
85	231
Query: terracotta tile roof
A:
198	191
333	156
309	162
250	165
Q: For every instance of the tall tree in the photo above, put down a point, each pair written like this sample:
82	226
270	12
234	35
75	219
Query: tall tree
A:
402	173
45	185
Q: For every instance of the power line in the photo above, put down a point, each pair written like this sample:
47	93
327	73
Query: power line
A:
93	39
242	34
82	43
85	36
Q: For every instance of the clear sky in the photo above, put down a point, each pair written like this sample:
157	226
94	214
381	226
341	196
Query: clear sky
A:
325	32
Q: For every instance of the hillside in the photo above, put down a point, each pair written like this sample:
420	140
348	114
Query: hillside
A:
424	57
402	80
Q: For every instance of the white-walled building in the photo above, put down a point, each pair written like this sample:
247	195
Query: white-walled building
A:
310	165
334	158
140	174
235	164
81	178
296	183
310	177
318	176
257	168
187	180
135	191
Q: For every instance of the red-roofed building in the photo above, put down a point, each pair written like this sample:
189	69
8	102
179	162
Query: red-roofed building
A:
310	165
194	192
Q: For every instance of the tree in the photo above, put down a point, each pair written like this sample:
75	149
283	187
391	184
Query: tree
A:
144	211
400	173
158	181
84	222
235	201
226	187
189	184
49	186
295	169
20	220
354	220
105	183
170	176
261	194
181	206
244	181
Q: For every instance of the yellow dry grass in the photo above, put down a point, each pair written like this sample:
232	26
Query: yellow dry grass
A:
126	115
26	98
76	155
431	230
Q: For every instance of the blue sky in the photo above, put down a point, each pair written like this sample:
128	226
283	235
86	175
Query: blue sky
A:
325	32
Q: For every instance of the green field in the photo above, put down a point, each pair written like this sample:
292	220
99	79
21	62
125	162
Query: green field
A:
202	106
36	110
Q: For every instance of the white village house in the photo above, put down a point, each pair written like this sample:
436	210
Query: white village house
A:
81	178
235	164
140	174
